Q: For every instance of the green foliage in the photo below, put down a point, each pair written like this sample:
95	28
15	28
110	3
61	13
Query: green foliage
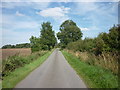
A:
105	42
69	32
82	45
46	41
23	45
16	61
58	45
95	77
102	51
99	46
47	36
35	44
19	74
8	46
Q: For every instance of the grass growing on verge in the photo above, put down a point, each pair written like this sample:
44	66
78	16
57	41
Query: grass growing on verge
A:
20	73
94	77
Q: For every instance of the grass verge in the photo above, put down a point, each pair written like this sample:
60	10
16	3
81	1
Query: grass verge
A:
20	73
93	76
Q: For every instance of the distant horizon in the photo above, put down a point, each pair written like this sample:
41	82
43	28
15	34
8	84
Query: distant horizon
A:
21	20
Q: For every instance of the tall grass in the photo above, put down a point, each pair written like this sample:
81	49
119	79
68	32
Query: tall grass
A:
105	60
94	76
17	61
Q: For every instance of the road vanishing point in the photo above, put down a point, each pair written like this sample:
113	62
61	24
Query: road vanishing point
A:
55	72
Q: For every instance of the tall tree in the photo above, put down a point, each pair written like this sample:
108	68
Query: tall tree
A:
35	44
69	32
114	37
47	36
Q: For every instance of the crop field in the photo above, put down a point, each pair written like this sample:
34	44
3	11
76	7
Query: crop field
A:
5	53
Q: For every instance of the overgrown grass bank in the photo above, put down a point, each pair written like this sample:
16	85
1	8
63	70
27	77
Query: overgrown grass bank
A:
93	76
20	73
17	61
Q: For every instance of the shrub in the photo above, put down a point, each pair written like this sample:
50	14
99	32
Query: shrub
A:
17	61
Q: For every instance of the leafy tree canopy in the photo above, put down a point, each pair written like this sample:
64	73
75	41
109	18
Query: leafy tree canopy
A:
69	32
47	39
47	36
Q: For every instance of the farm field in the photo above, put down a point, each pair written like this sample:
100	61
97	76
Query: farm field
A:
5	53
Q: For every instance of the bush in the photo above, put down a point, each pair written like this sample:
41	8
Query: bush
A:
82	45
17	61
12	63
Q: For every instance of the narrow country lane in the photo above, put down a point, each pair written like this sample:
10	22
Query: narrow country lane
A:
55	72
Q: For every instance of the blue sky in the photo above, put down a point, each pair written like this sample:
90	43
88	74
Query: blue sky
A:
21	20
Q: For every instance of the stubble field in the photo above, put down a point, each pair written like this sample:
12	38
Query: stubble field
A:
5	53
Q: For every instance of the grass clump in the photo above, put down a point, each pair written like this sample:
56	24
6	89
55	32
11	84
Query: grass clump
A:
94	76
105	60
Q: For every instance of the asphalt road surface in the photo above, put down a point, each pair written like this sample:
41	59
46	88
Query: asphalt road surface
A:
55	72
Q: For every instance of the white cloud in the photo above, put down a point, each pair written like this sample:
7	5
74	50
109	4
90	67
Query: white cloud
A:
19	14
54	12
57	13
84	29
